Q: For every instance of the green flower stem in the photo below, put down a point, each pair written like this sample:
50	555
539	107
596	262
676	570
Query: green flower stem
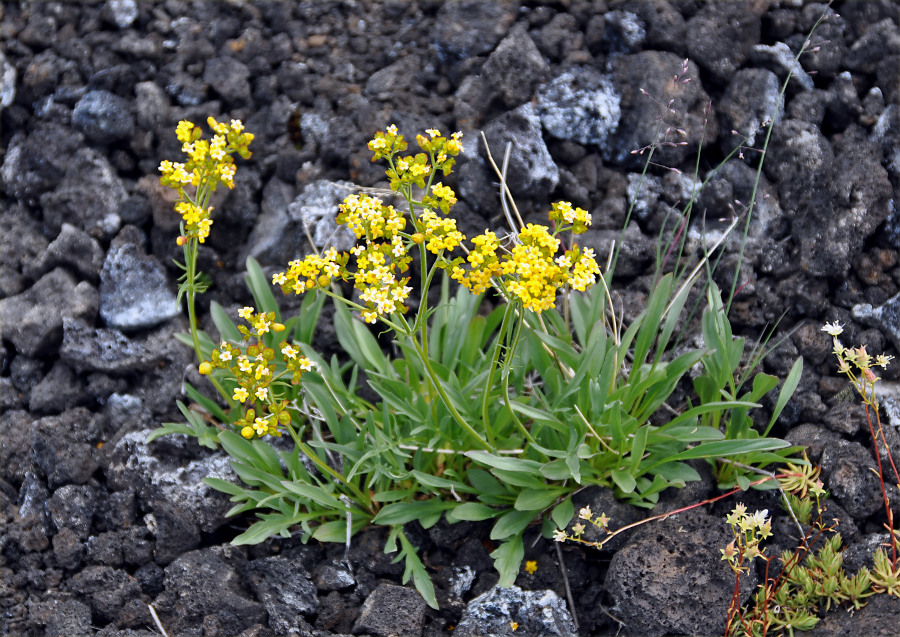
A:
438	385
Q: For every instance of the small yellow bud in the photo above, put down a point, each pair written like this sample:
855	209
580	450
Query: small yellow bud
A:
418	238
310	284
247	432
324	280
181	240
205	368
277	327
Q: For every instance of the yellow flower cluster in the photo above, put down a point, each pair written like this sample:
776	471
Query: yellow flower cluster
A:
531	271
367	217
564	214
252	364
440	232
377	266
208	163
311	272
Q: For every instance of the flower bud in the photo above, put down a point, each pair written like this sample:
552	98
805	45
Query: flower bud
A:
181	240
205	368
247	432
277	327
324	280
418	238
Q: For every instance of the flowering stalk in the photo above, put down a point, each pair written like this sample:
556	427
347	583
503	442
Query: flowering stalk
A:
209	163
856	364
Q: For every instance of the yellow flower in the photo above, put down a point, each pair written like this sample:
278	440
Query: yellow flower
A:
530	567
289	351
240	394
262	393
246	312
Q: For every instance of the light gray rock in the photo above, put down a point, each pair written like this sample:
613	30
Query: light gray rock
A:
285	589
581	105
532	172
134	290
535	613
885	317
781	60
316	208
392	610
122	12
7	83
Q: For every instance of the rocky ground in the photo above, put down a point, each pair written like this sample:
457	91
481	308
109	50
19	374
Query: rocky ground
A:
96	523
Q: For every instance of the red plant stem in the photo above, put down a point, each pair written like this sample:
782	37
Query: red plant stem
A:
887	505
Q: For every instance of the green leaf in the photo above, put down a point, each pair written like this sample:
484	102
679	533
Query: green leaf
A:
507	560
624	480
787	390
512	523
260	531
563	513
403	512
537	499
518	465
415	568
316	494
227	329
471	511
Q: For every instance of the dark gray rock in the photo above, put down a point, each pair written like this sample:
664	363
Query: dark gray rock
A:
749	102
844	418
22	244
844	106
720	35
67	617
103	117
15	452
72	507
875	619
59	390
639	125
107	590
73	248
392	610
103	350
89	197
201	587
68	549
134	290
37	162
105	549
397	78
885	317
657	577
532	174
60	455
32	523
466	28
33	321
534	612
152	106
285	589
580	105
881	40
826	58
229	78
176	531
851	477
809	106
515	68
